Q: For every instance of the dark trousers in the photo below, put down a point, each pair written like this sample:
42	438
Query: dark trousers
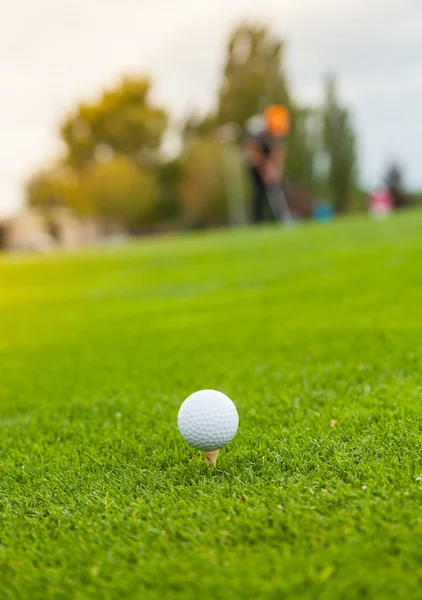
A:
267	201
259	195
261	207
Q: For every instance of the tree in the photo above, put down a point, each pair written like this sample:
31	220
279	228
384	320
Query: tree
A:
169	176
394	183
55	186
122	122
339	147
202	187
119	191
303	144
253	76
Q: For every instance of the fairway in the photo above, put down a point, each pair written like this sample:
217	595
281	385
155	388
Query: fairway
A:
315	333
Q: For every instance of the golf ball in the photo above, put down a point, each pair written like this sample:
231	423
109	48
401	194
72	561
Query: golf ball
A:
208	420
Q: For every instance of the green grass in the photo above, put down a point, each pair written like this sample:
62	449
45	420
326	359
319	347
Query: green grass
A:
99	495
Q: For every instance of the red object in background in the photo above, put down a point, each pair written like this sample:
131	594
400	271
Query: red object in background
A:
381	203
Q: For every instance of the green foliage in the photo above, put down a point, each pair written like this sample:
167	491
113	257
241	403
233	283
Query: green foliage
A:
100	498
302	147
116	190
123	121
359	200
111	151
415	197
196	126
339	145
395	185
253	75
120	191
202	189
55	186
169	175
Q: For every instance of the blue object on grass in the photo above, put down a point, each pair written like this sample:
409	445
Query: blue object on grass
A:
323	212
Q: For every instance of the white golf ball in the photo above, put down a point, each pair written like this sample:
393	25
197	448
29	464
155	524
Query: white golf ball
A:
208	420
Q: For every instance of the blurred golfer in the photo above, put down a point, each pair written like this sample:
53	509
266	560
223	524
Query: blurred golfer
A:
266	148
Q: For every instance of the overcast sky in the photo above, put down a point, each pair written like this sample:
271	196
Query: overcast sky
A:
54	53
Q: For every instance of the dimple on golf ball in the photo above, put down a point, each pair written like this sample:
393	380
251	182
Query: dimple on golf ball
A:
208	420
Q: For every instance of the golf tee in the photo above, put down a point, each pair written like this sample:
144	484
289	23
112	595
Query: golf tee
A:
211	457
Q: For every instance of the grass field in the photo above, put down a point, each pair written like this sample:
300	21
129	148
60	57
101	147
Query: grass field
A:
316	335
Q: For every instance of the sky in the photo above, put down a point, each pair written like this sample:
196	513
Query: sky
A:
54	54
